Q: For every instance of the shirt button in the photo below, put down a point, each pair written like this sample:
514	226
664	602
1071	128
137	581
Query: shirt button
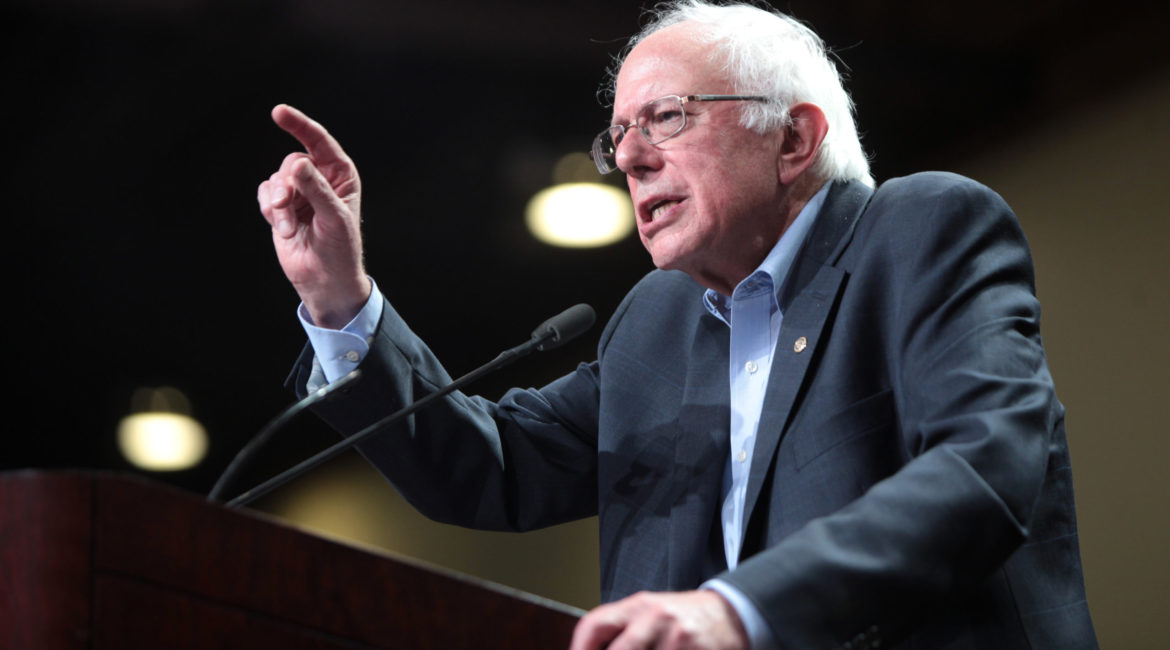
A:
751	367
741	456
353	356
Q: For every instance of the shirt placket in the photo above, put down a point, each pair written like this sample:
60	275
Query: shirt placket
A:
749	369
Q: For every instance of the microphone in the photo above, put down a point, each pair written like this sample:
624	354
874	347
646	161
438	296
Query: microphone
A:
276	424
564	327
551	334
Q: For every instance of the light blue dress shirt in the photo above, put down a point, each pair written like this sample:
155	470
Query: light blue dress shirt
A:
336	353
753	314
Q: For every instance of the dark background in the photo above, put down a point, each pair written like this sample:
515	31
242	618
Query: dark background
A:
136	132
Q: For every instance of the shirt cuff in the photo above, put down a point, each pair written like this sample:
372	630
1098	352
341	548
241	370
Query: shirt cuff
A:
759	635
339	352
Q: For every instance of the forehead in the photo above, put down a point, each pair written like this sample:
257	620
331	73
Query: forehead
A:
673	61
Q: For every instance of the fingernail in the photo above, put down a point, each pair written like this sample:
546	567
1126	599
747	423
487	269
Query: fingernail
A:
305	171
279	194
284	227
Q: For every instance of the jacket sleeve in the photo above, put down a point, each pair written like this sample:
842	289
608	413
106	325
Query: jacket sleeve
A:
526	462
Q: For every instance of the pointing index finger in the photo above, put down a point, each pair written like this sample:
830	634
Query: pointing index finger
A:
321	146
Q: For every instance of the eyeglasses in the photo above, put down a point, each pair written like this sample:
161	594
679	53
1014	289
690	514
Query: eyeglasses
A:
658	121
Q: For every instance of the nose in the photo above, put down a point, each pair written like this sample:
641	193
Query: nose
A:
635	156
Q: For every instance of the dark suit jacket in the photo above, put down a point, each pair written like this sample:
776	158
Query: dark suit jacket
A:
910	482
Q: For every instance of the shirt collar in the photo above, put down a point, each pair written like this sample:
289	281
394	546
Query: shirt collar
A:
774	269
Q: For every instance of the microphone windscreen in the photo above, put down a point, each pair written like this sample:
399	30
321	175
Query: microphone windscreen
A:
564	327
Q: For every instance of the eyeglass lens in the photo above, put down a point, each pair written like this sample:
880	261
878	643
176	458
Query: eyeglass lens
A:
657	121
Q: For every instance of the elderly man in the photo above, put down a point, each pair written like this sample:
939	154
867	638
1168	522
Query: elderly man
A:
825	421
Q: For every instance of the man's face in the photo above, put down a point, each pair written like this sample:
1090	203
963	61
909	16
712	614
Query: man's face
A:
708	201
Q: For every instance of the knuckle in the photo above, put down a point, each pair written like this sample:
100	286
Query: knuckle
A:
642	597
291	160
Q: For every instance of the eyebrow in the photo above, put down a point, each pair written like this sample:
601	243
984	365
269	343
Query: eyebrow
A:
613	121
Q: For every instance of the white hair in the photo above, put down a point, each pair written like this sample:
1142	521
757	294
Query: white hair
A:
768	53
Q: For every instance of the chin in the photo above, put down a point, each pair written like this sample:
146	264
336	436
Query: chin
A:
671	264
663	262
664	257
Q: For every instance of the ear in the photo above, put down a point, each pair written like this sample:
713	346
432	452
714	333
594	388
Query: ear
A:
802	141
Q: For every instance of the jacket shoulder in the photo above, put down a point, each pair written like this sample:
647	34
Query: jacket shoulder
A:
927	189
657	302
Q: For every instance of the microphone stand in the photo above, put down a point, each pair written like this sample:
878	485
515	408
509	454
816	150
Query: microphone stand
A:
552	333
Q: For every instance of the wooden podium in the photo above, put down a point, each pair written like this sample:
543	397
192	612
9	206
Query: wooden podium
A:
102	561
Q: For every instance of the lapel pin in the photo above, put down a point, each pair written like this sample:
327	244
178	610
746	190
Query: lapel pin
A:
800	345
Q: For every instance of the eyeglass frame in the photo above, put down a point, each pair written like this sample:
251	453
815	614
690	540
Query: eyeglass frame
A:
603	165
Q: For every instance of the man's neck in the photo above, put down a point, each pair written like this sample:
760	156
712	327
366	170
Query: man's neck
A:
799	194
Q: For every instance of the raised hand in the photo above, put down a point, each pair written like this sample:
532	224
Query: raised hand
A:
313	203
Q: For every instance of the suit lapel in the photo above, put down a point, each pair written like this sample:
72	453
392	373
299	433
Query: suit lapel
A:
700	454
806	299
828	238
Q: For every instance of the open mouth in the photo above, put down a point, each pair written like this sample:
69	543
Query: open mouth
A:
661	207
655	208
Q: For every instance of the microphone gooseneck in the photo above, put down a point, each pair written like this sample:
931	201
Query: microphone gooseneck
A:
551	334
275	425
